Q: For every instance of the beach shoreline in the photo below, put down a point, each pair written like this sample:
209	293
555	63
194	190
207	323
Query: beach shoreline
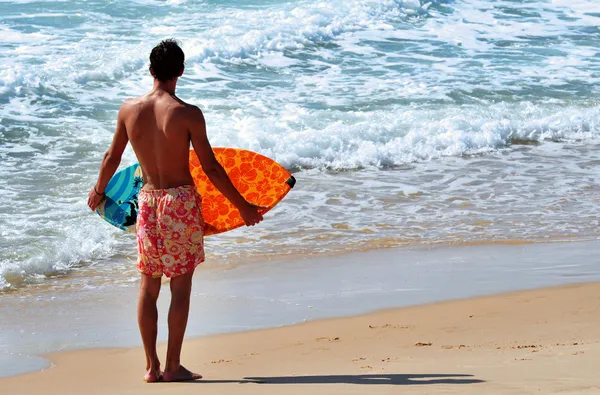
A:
542	341
281	293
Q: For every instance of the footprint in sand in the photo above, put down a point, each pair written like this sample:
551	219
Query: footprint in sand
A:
423	344
221	361
329	339
389	326
525	346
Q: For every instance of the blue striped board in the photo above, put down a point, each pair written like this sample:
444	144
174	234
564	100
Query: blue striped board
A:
119	208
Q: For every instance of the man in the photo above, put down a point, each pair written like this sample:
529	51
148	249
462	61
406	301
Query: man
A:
160	128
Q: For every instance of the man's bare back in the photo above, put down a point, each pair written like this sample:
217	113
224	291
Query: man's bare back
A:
157	126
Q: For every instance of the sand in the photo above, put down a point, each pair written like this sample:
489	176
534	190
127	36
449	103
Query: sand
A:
544	341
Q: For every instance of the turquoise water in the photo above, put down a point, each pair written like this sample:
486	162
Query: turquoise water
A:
405	122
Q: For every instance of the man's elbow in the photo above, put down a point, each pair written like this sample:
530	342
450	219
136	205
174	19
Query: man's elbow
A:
111	159
211	170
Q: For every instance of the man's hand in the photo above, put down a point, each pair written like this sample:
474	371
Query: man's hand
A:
94	199
251	214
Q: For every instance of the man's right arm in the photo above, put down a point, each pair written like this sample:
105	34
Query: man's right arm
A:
215	172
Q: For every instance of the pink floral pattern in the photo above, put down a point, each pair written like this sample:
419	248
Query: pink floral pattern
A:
169	231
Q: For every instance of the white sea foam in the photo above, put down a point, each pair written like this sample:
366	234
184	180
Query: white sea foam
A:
47	248
246	34
396	136
10	36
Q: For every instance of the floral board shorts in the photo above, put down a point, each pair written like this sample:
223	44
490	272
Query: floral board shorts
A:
170	233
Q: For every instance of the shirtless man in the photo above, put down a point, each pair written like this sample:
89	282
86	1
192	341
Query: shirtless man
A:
169	225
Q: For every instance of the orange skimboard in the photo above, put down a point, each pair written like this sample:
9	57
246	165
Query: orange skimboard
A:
260	180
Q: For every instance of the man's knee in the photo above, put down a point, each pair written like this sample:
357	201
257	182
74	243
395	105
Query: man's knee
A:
181	286
150	287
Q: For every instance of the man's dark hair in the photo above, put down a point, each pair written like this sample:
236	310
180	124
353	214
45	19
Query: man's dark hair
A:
166	60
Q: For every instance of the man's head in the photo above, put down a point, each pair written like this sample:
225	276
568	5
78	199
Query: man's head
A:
166	60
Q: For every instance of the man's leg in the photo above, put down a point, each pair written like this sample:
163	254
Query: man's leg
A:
148	322
181	288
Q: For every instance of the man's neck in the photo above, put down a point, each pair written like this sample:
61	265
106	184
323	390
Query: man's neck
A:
166	86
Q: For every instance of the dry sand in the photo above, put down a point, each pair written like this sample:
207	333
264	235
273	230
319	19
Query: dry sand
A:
544	341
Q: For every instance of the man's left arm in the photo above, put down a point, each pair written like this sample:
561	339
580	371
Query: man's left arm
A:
111	161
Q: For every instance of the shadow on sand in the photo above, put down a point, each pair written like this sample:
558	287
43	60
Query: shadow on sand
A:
363	379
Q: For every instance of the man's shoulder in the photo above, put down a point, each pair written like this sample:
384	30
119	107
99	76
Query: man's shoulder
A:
187	110
185	106
130	103
127	108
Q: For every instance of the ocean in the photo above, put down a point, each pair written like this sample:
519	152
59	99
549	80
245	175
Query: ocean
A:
405	122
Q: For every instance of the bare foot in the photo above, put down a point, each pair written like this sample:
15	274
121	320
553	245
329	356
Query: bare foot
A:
153	376
182	374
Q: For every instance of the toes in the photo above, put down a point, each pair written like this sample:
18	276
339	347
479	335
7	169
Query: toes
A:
182	375
190	375
196	376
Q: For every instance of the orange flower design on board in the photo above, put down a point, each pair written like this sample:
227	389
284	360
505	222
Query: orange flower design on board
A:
243	176
263	188
194	161
200	177
247	156
208	187
276	173
281	190
260	199
227	157
213	207
233	219
261	162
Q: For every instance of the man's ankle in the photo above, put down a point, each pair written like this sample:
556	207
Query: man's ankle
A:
172	367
